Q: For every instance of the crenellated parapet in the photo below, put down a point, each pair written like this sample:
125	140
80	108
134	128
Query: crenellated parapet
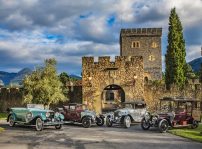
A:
141	32
106	61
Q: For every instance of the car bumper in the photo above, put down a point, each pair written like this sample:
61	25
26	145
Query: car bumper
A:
116	120
53	123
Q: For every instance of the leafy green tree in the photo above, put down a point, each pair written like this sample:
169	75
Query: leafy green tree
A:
176	53
43	85
64	78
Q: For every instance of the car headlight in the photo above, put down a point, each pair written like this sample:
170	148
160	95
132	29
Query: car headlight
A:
47	114
29	115
121	113
147	116
57	114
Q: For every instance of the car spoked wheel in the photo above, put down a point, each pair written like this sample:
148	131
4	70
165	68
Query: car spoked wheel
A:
108	122
145	124
39	124
194	124
58	126
11	121
86	122
100	121
127	121
163	125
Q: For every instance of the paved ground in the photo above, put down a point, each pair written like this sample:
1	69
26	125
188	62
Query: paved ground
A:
77	137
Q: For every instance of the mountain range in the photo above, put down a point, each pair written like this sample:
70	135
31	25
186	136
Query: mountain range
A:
196	64
7	78
16	78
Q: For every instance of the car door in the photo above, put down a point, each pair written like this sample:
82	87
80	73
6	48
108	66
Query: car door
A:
67	113
21	114
73	116
139	111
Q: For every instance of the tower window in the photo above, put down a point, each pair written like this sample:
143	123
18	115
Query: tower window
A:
154	45
151	58
135	44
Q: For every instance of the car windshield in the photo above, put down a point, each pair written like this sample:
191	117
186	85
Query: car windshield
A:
166	106
38	106
72	107
81	107
139	106
127	105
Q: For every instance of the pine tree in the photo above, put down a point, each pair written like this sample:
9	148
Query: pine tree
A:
175	56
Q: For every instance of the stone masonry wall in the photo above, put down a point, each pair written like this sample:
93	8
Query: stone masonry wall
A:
125	72
150	49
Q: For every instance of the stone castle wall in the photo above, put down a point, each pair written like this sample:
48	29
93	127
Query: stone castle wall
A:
10	97
125	72
149	48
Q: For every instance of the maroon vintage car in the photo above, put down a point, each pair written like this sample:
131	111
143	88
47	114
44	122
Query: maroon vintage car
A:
174	112
79	113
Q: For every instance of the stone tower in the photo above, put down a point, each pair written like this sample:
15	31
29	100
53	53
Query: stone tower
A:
145	42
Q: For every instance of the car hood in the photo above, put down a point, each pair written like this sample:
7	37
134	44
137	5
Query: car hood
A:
32	109
89	112
123	110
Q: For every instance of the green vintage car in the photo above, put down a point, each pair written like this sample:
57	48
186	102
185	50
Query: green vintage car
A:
35	115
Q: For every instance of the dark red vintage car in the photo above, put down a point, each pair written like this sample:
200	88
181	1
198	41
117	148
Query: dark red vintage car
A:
174	112
79	113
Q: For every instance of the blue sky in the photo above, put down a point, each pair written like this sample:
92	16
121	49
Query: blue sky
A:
31	31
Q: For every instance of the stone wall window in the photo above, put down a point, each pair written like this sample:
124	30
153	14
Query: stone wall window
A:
154	45
151	58
135	44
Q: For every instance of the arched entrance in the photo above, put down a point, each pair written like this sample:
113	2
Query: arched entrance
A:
112	96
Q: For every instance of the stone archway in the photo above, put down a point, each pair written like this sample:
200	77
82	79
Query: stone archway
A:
112	96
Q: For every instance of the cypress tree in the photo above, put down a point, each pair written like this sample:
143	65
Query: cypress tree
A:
175	57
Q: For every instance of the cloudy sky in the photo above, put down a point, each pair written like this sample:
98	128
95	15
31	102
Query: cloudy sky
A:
33	30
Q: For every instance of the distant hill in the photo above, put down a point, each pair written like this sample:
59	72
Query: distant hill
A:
14	78
196	64
20	76
6	77
75	77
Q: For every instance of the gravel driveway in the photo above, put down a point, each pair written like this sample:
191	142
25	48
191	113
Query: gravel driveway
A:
77	137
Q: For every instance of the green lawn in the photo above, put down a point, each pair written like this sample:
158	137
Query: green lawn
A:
193	134
3	116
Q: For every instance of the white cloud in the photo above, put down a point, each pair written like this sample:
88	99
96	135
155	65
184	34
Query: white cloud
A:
25	24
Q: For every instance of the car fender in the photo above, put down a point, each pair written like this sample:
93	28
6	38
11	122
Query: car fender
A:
123	116
88	116
61	116
14	115
33	121
102	116
131	118
169	122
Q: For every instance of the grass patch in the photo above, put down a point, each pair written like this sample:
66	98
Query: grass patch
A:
3	116
193	134
1	129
